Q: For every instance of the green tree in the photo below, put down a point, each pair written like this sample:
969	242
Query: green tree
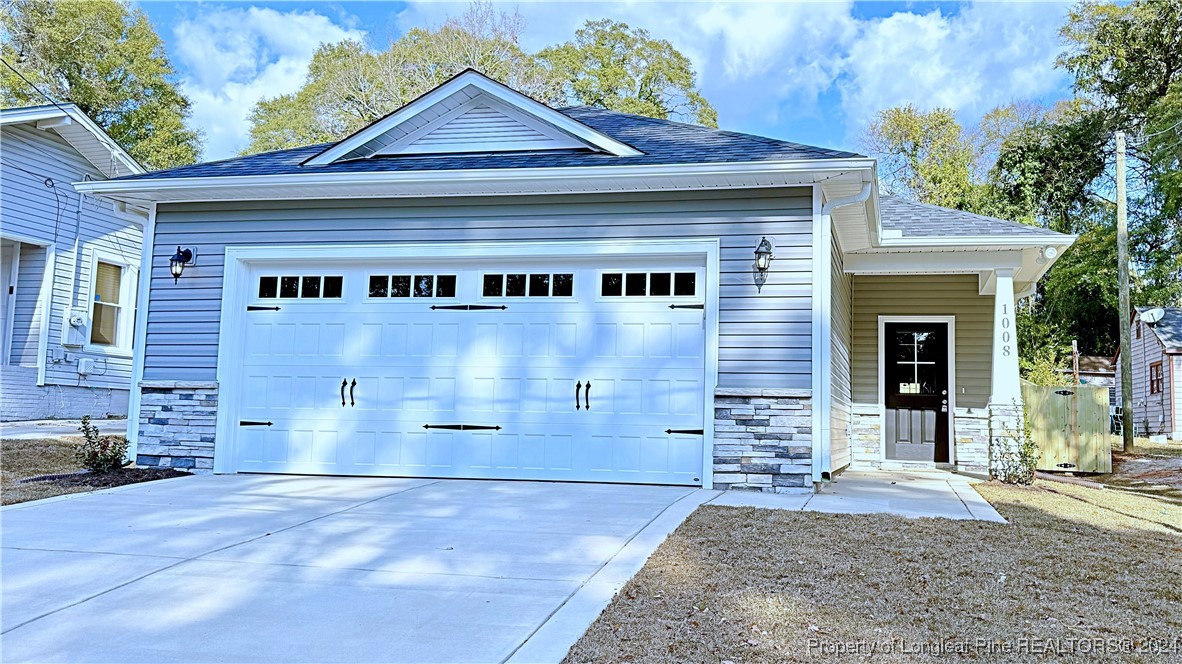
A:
1124	58
926	156
105	57
1046	170
614	66
350	86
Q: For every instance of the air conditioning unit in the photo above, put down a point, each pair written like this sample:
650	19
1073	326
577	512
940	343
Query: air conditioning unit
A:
74	328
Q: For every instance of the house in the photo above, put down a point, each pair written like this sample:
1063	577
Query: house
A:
69	265
1096	370
478	285
1157	371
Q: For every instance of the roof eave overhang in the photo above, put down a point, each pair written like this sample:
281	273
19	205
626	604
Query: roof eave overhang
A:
474	182
981	255
37	114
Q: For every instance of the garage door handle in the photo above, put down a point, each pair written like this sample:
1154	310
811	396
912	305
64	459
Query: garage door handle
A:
578	387
351	386
587	397
344	382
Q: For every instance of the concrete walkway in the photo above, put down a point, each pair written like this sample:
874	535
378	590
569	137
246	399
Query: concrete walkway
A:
905	493
29	429
237	568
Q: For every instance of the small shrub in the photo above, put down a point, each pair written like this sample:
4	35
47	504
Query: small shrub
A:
98	453
1015	460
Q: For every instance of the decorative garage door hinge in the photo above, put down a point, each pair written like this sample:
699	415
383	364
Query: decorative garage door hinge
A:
255	307
468	307
687	306
462	427
691	432
253	423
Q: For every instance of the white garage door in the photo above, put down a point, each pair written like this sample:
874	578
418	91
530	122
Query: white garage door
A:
510	370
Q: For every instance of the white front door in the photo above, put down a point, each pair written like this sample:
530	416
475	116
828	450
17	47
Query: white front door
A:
586	370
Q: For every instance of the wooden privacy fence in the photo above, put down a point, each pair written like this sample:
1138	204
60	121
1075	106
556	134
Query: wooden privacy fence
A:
1070	426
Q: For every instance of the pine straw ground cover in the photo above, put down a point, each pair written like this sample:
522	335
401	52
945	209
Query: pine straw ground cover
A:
22	459
749	585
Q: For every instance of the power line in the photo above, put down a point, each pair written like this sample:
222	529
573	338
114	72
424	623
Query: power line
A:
1163	131
37	89
113	149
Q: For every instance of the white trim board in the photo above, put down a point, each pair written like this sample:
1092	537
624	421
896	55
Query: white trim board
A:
143	294
822	382
10	302
236	291
951	322
477	182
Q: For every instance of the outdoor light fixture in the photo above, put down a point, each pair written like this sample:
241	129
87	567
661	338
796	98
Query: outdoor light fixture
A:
1045	254
763	255
179	260
763	260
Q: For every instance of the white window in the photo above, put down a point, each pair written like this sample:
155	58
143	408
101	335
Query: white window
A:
112	304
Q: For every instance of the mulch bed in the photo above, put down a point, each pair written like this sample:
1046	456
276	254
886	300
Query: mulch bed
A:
117	477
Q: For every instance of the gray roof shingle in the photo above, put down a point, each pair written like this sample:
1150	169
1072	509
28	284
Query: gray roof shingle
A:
661	141
917	220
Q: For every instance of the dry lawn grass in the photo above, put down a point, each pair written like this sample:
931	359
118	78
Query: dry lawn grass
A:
22	459
750	585
1155	469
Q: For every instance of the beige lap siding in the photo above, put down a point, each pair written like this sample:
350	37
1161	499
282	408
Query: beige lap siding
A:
927	295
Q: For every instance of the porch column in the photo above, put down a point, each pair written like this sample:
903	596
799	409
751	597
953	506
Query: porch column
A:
1005	388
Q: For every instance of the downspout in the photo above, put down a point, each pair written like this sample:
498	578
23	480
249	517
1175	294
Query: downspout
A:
823	335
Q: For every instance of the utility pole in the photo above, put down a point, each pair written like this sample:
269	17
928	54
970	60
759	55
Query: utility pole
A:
1122	257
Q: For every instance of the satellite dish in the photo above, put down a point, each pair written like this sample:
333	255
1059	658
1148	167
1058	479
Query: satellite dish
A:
1153	315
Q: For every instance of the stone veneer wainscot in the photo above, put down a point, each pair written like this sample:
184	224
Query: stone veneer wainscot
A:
178	420
763	440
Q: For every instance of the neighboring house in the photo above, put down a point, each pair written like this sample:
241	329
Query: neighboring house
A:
69	268
1157	373
478	285
1096	370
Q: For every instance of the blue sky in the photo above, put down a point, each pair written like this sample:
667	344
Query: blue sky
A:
813	72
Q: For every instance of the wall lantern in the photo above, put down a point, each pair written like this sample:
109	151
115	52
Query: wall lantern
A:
178	262
763	255
763	260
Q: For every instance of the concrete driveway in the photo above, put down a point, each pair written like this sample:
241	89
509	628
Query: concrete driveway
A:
240	568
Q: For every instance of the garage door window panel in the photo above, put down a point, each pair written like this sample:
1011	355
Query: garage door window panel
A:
412	285
648	284
311	287
532	285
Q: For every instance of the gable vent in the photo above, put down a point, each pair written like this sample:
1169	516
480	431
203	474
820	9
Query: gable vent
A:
482	128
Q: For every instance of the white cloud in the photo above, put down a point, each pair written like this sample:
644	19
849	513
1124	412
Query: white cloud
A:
986	55
231	58
785	69
761	60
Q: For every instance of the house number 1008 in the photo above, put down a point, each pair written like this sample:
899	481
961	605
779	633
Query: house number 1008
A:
1005	330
